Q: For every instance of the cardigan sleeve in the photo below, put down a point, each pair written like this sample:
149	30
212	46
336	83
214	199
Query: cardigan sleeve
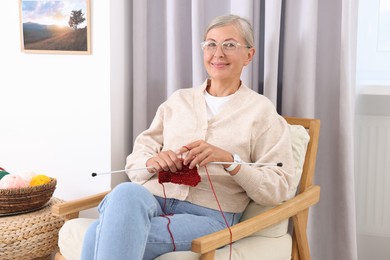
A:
269	185
146	145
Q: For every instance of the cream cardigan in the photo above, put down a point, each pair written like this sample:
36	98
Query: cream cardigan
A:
247	124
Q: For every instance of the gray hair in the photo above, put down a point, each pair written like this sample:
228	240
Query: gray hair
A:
242	24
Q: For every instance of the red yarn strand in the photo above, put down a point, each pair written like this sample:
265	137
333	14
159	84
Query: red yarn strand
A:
192	179
165	199
165	215
220	209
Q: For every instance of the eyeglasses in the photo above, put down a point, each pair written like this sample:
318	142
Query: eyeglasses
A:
210	47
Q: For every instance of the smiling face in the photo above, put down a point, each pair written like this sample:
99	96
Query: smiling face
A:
226	67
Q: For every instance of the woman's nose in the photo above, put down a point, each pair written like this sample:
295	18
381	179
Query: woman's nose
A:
219	51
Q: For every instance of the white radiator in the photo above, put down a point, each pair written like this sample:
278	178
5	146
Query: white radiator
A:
372	177
372	172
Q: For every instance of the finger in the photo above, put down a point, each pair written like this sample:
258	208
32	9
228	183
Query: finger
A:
191	156
184	149
152	169
197	159
170	161
177	162
154	164
161	164
199	153
202	158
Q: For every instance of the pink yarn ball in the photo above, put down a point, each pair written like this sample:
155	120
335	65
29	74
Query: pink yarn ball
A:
12	181
26	176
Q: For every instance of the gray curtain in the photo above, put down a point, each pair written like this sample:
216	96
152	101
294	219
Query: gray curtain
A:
304	63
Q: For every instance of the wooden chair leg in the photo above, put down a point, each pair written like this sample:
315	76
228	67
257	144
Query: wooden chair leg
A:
58	256
294	253
208	256
71	216
300	223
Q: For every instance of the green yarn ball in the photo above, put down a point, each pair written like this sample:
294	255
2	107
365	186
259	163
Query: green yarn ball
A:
2	174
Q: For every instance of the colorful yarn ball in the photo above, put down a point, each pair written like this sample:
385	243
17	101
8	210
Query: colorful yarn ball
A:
27	176
39	179
2	174
12	181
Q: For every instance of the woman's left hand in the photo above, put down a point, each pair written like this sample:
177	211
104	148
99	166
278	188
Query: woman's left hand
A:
201	153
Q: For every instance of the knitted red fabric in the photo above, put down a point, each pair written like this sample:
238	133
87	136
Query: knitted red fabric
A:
186	176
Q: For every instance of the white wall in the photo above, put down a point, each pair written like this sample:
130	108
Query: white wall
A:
121	29
55	109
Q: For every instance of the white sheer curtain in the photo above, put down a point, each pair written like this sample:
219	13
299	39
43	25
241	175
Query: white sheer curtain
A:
317	69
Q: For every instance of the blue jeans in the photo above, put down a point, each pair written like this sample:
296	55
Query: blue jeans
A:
130	225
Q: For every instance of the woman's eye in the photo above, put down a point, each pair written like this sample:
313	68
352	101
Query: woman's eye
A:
229	45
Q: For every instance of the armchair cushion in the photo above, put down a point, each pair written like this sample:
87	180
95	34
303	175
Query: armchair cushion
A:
250	248
71	237
299	140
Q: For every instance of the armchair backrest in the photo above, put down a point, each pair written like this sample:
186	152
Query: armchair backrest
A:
313	128
300	248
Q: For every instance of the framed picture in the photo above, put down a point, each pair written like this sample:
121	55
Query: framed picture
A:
59	26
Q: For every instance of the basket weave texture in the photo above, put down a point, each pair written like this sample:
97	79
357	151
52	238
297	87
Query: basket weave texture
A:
32	235
26	199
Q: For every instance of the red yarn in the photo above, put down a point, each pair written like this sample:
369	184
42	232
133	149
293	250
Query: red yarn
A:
165	215
185	176
220	209
188	177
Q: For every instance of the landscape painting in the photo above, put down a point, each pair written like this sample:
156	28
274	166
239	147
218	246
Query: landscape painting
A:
60	26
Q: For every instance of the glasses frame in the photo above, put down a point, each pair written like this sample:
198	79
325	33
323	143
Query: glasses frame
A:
204	48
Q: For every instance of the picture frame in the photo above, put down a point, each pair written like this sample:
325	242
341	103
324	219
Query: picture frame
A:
58	26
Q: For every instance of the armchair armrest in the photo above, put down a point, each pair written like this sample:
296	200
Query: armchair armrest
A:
207	245
71	209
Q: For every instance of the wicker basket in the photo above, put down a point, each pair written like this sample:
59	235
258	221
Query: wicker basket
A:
21	200
32	235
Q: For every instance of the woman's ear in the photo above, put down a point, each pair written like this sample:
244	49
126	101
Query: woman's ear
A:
250	54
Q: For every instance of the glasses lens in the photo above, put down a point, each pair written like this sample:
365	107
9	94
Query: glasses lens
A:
209	46
229	46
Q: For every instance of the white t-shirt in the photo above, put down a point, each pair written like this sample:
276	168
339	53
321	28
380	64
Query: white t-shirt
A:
214	103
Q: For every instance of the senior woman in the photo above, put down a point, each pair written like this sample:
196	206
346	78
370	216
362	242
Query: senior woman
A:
220	121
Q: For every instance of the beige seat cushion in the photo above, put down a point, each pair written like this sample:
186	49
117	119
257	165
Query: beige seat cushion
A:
252	248
71	237
271	243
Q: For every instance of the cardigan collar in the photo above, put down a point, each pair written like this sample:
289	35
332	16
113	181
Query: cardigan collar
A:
242	89
229	107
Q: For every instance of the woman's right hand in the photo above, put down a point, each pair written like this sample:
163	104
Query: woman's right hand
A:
164	161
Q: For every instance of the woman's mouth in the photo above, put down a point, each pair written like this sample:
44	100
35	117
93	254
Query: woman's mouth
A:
219	65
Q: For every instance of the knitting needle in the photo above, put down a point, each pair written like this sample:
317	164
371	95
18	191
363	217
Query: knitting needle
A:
94	174
279	164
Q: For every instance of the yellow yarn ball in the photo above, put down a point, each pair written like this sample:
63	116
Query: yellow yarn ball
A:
39	179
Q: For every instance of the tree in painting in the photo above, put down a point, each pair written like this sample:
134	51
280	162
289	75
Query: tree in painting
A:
76	18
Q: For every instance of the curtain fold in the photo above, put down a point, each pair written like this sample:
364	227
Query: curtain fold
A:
140	68
315	76
299	65
271	48
335	84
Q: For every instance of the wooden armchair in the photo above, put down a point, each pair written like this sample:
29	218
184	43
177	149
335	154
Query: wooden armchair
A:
295	209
